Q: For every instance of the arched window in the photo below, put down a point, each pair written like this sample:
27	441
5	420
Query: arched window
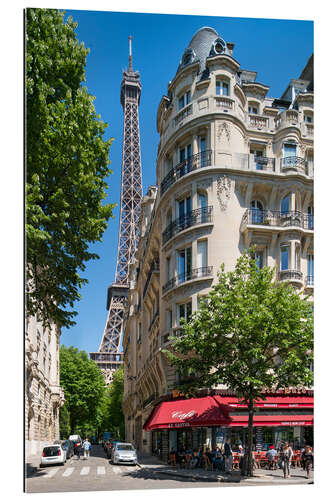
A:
257	212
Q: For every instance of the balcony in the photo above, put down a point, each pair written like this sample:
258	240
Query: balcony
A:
184	113
262	163
199	160
257	121
195	217
200	272
224	102
276	218
294	163
154	268
288	118
291	275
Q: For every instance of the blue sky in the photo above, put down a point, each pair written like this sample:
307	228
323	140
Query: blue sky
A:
277	49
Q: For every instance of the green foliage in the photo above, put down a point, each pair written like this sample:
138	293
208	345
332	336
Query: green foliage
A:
64	422
67	164
84	388
114	420
249	333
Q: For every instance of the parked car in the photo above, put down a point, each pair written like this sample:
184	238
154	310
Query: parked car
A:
53	454
68	446
124	453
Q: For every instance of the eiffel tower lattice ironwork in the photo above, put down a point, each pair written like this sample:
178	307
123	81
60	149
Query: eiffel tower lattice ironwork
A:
109	357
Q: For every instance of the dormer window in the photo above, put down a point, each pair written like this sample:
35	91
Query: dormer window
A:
188	56
218	47
184	100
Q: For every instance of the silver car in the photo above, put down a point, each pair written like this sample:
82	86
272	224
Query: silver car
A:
124	453
53	454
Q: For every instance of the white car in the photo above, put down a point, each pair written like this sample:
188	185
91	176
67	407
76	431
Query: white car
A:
53	454
124	453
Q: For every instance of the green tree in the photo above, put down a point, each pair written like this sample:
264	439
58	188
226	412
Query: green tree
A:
84	387
249	333
64	422
67	163
113	418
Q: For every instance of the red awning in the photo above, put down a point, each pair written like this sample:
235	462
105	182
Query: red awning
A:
193	412
271	420
294	401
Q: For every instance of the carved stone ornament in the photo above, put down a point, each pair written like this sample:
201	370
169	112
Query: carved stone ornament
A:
223	128
224	185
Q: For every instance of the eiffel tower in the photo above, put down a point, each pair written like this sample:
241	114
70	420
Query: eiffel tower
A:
109	358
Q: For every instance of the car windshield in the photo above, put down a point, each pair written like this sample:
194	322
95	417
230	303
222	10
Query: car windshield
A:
51	451
125	447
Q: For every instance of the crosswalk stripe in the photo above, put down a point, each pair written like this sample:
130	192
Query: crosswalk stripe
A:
84	471
51	473
116	470
68	471
100	470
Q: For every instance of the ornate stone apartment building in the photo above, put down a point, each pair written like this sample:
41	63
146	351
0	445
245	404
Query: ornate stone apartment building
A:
43	394
234	169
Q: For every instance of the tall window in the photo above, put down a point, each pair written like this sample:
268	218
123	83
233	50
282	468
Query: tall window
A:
259	258
184	311
284	258
202	198
310	217
184	209
185	160
168	268
253	110
222	87
289	150
258	158
286	204
310	273
184	100
168	319
184	264
203	154
257	212
202	254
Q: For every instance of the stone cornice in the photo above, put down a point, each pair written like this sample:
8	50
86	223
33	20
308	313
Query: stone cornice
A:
223	59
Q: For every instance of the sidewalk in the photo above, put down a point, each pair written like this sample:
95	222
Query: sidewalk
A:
261	476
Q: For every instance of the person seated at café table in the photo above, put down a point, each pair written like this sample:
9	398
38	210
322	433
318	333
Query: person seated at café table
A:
181	458
270	455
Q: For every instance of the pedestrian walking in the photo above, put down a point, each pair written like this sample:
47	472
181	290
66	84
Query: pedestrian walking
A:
86	449
77	449
307	459
228	456
286	455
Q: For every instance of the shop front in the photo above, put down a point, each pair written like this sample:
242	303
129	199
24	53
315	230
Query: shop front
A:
195	423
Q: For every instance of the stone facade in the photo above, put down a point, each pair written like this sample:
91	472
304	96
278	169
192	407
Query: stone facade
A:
43	394
234	169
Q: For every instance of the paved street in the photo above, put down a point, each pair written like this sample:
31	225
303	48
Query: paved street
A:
98	474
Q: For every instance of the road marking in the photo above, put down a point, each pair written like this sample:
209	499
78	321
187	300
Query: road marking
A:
101	470
84	471
51	473
116	470
68	471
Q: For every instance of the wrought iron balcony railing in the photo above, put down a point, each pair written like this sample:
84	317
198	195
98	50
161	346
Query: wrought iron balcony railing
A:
193	218
294	162
154	267
200	272
291	275
264	163
276	218
199	160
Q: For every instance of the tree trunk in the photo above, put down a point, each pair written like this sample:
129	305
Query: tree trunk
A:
250	438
